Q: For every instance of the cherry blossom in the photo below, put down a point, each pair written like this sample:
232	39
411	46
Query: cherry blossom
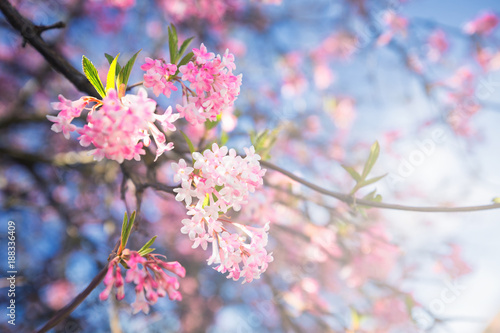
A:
157	76
221	180
396	24
117	127
484	24
213	87
69	110
438	45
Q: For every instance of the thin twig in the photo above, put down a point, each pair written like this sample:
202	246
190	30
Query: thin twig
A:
362	202
66	311
137	84
42	28
29	32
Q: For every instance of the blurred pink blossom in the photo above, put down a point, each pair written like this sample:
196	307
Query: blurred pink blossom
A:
484	24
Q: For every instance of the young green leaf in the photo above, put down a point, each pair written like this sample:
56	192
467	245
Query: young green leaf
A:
364	183
206	201
124	230
354	174
410	303
127	228
124	264
124	74
148	244
264	141
370	181
211	124
188	141
187	58
184	46
110	81
173	44
224	137
373	196
372	159
110	60
146	251
109	57
92	75
355	319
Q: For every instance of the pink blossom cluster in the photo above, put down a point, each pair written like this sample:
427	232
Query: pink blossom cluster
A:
213	87
122	4
117	127
149	276
221	180
482	25
157	76
396	24
463	101
209	10
68	110
438	44
453	263
270	2
339	45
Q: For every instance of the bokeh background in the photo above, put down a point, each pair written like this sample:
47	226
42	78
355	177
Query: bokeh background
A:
327	79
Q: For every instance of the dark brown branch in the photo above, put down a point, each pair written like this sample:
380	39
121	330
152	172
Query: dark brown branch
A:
161	187
31	34
352	200
42	28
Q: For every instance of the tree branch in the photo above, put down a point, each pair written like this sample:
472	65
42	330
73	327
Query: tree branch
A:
66	311
31	34
352	200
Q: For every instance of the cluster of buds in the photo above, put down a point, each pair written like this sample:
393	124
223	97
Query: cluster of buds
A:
218	181
148	273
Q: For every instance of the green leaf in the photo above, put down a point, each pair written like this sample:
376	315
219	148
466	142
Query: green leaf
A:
211	124
187	58
410	303
127	228
110	60
109	57
126	70
110	81
364	183
92	75
190	144
354	174
496	200
206	201
372	159
131	221
355	319
146	251
147	245
124	264
373	196
124	229
184	46
370	181
224	137
173	44
264	141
